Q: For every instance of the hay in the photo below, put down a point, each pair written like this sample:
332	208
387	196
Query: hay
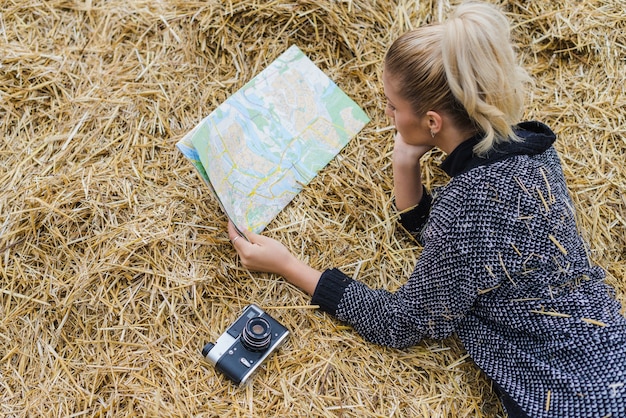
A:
115	265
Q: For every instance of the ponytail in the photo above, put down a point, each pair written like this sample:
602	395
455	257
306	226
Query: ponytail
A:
465	67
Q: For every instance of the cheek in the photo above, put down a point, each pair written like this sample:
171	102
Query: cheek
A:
389	112
401	123
408	128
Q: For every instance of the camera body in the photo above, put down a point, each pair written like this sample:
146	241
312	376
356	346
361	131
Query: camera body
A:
246	344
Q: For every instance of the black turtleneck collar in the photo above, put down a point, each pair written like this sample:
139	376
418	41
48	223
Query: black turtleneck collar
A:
536	138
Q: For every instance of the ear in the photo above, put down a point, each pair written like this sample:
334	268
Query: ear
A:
435	122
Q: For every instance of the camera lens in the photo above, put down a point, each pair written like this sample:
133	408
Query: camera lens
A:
257	334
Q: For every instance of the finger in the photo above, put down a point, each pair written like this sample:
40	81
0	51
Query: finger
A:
232	231
235	233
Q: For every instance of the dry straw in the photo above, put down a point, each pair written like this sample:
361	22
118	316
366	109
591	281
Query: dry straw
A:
115	266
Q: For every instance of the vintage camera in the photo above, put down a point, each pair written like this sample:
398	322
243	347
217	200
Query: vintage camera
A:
246	344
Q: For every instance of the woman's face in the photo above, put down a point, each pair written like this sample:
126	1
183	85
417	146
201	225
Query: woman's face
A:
413	129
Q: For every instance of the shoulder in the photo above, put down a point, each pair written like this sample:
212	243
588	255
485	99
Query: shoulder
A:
493	192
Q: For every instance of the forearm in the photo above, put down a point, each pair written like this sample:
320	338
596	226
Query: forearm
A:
407	180
301	275
376	314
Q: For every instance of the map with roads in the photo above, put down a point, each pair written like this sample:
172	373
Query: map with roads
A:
268	140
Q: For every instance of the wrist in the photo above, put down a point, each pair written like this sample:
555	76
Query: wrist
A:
301	275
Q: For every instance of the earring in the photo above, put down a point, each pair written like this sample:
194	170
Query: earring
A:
432	133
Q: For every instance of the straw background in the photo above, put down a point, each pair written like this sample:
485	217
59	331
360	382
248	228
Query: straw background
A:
115	265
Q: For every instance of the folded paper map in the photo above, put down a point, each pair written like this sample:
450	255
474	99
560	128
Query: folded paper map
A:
262	145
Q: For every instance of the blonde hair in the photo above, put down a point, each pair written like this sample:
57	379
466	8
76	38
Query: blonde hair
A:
466	68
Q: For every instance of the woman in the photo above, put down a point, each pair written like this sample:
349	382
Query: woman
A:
502	265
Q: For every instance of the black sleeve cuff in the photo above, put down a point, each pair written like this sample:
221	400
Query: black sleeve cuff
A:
330	289
414	219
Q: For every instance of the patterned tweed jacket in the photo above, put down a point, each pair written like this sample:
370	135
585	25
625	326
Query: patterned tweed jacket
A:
504	267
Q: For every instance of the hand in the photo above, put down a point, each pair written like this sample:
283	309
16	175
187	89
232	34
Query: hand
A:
405	153
260	253
267	255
